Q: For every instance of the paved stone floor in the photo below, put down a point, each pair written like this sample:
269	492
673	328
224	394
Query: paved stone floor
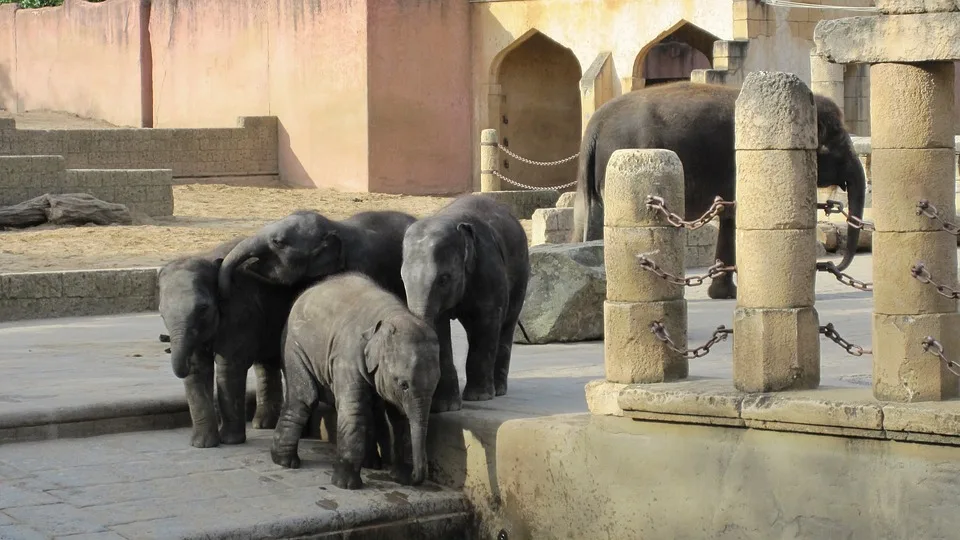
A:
151	484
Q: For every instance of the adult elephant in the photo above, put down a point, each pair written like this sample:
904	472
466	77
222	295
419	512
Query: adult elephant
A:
696	121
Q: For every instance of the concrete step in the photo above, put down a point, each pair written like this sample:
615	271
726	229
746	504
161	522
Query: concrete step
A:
151	485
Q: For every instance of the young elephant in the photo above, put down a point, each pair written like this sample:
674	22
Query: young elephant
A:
234	335
305	247
469	261
349	336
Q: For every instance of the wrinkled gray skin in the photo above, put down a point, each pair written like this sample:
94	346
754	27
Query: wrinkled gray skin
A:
696	121
350	337
305	246
469	261
232	335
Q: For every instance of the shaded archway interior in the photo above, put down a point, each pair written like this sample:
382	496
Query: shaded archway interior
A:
675	56
539	111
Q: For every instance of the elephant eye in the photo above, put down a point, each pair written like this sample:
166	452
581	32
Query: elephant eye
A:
278	241
404	386
443	279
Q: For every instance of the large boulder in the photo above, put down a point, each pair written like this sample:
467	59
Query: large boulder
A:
568	285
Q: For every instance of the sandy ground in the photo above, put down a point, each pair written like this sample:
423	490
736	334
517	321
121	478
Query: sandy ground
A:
204	215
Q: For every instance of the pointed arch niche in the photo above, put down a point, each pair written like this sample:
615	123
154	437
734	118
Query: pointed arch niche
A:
536	109
674	56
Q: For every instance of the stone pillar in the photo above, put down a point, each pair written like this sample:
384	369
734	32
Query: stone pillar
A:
913	158
776	340
636	297
489	160
826	78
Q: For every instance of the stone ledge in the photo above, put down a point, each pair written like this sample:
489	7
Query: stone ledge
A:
852	412
918	37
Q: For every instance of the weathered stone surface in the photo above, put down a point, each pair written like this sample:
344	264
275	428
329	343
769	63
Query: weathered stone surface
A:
813	408
775	111
916	6
902	370
523	203
551	225
917	104
707	398
776	349
941	418
920	37
632	175
567	199
895	290
565	294
776	189
701	246
828	236
632	353
765	258
905	176
626	280
602	397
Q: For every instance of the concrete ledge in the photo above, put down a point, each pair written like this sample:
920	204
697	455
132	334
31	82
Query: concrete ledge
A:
919	37
44	295
522	203
831	411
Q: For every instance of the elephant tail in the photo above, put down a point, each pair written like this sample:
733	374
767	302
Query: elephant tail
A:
524	331
587	190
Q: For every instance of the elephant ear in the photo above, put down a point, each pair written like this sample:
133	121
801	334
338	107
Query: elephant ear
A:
469	245
371	356
328	257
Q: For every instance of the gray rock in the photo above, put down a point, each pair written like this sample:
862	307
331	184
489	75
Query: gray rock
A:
568	285
566	199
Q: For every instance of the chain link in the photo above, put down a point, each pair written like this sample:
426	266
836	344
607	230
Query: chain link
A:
720	334
920	272
657	203
507	151
856	350
713	272
836	207
524	186
846	279
930	343
924	207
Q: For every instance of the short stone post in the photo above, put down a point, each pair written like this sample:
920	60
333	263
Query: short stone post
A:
913	158
489	160
826	78
776	340
636	297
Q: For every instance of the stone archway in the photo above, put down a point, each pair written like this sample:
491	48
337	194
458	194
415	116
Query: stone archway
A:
685	48
539	112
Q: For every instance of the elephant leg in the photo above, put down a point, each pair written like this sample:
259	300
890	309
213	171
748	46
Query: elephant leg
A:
269	395
231	396
301	400
378	438
447	396
201	401
401	451
483	342
353	414
722	287
371	458
501	367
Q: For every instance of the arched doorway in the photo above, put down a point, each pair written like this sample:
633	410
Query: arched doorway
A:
539	111
674	57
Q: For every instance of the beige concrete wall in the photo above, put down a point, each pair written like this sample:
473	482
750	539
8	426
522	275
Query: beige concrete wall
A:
8	57
418	96
81	57
577	476
624	28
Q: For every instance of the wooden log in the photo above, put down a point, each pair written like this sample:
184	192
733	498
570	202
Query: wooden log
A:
64	209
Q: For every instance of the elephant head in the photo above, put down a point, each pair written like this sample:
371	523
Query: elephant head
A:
300	246
438	257
188	307
838	165
402	355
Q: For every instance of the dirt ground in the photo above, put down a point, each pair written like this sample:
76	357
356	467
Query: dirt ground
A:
204	215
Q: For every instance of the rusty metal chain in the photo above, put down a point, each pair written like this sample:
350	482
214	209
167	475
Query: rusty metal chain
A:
855	350
533	188
657	203
924	207
720	334
507	151
930	343
920	272
836	207
846	279
714	271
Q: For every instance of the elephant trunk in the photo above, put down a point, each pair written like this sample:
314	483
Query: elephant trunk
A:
181	349
419	416
856	193
242	252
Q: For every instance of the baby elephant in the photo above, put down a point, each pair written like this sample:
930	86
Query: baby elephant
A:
350	337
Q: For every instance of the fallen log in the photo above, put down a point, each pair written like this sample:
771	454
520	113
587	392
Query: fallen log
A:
64	209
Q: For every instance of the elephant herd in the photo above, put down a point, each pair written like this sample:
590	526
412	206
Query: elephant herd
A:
352	315
355	314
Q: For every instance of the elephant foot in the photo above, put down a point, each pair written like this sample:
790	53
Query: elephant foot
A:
478	393
722	290
233	436
446	404
205	438
402	474
346	476
500	388
285	459
372	461
266	417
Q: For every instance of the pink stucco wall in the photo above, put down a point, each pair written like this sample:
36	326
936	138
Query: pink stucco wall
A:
83	58
8	57
419	95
